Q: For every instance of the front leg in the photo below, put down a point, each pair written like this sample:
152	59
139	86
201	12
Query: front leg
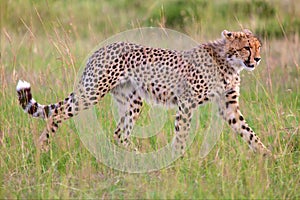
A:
229	110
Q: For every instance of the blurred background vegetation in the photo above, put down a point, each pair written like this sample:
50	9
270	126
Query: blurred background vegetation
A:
272	18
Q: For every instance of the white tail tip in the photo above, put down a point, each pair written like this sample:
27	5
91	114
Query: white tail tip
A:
22	85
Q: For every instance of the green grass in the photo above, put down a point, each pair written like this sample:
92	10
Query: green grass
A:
45	43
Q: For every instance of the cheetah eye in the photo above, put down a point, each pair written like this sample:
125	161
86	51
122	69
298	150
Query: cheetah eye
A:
247	48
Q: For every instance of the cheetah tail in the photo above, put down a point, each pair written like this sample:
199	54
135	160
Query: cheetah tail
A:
28	104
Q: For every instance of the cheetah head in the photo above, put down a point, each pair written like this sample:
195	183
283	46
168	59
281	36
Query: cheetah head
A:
242	49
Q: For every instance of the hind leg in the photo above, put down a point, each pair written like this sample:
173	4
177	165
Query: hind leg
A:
83	98
130	118
129	105
122	103
61	111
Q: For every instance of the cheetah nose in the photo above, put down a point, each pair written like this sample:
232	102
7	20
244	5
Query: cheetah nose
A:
257	59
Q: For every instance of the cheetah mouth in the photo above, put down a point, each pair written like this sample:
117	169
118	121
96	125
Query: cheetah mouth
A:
248	65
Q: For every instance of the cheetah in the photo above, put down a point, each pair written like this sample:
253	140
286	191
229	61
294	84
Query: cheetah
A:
184	79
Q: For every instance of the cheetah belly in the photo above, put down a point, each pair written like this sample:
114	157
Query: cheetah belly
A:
148	93
157	86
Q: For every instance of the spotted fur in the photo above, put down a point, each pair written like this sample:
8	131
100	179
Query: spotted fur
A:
185	79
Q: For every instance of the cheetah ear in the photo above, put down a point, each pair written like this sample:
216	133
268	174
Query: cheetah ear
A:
227	35
247	31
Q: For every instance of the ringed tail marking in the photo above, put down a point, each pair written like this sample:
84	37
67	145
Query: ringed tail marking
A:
28	103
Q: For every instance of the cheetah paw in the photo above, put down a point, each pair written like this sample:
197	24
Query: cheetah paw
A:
44	143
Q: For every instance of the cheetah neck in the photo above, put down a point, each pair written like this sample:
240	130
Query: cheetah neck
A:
218	48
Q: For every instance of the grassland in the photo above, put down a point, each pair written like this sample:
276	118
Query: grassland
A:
45	43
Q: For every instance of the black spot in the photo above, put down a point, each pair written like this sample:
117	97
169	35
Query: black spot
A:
136	110
233	121
47	111
33	108
186	110
193	105
93	98
251	136
229	121
232	102
70	109
243	127
241	118
231	92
